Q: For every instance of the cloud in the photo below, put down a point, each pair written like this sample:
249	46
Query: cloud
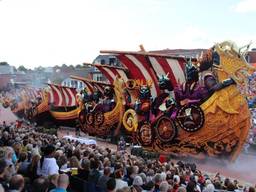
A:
245	6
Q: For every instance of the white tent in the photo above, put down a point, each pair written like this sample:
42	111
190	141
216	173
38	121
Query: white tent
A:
6	115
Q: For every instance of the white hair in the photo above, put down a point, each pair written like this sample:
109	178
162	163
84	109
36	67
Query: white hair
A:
163	175
138	181
164	186
177	177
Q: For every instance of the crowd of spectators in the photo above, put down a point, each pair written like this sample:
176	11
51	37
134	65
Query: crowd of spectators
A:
250	145
37	162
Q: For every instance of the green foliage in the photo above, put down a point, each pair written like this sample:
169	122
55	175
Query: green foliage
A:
22	68
39	69
3	63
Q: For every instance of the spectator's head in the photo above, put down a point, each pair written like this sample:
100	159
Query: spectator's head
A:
251	189
106	162
137	181
135	170
217	185
23	157
17	183
191	186
226	182
176	179
119	173
150	186
231	186
40	184
63	181
144	177
209	188
3	168
150	173
85	164
77	153
48	151
29	147
107	171
158	179
111	184
9	153
5	134
17	147
62	160
94	163
74	162
124	189
2	153
164	186
163	175
182	189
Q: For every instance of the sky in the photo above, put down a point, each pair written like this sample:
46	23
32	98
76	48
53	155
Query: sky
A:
54	32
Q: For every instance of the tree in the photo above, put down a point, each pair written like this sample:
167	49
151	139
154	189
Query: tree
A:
22	68
4	63
39	69
78	66
64	66
71	67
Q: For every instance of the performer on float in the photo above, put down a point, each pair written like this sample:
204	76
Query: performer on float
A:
165	102
142	105
86	99
121	145
108	101
211	84
97	101
190	92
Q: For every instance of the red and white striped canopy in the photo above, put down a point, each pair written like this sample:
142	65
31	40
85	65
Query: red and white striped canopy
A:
112	72
62	96
91	84
146	67
33	93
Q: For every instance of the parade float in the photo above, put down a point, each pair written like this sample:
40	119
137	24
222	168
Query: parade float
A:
63	105
166	104
22	101
178	107
41	110
102	107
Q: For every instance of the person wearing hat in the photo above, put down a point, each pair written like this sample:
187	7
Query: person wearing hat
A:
47	164
190	92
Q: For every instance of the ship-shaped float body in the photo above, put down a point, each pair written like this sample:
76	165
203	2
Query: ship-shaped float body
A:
215	126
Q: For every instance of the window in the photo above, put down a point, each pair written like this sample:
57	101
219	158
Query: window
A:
97	77
112	61
95	69
247	57
102	62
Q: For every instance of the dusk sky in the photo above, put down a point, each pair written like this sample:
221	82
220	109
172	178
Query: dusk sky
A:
53	32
